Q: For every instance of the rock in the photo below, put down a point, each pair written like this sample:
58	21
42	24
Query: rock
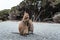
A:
56	18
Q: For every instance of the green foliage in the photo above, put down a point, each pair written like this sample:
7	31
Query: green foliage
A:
57	1
13	8
22	4
5	11
32	0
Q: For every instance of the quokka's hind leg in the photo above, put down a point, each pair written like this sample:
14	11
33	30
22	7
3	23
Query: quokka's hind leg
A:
26	31
21	31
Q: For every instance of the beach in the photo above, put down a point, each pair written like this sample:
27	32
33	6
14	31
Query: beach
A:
42	31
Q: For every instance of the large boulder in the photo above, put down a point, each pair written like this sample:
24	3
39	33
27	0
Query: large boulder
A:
56	18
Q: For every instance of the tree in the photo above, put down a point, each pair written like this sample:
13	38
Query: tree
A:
5	11
4	14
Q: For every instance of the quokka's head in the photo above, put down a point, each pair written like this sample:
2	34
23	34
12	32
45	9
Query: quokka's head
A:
26	17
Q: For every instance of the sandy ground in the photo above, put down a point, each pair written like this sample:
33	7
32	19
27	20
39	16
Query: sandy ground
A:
42	31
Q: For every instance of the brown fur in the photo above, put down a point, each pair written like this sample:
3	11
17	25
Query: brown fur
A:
26	25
